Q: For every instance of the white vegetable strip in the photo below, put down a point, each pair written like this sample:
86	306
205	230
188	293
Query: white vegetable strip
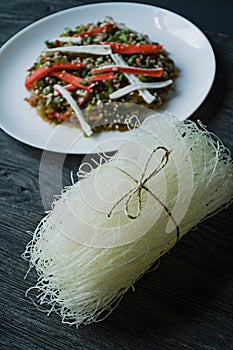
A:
146	95
109	19
67	95
138	86
92	49
68	39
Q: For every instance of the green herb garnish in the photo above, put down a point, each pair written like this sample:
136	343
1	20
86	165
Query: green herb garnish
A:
100	59
67	30
62	59
47	90
89	40
49	100
89	107
110	89
83	82
48	43
132	59
58	100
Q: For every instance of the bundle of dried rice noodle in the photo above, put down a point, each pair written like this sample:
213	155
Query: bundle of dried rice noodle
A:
106	230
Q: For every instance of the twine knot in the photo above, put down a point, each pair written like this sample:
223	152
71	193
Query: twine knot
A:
141	185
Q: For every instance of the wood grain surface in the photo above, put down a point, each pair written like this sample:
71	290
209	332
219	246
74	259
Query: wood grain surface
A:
186	304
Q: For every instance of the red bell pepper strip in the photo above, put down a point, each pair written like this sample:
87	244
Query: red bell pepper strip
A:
59	116
51	115
94	31
44	70
31	100
152	72
127	49
70	87
62	116
100	77
71	79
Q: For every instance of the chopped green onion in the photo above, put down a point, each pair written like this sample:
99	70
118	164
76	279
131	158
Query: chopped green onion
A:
58	100
83	82
110	38
100	59
89	40
125	30
38	65
132	59
48	63
120	76
48	43
49	100
77	73
67	30
110	89
89	107
40	84
142	77
47	90
84	73
139	38
123	37
62	59
78	29
99	96
148	63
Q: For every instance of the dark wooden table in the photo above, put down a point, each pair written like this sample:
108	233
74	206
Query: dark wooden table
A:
185	304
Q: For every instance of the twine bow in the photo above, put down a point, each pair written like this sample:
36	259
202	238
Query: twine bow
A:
141	184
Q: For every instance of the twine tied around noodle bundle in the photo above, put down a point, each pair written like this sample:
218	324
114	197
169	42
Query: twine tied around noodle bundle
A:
141	185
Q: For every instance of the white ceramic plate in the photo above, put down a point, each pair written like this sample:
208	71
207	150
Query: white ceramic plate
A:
186	44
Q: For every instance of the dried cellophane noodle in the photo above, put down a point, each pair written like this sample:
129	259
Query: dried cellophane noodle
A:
107	229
